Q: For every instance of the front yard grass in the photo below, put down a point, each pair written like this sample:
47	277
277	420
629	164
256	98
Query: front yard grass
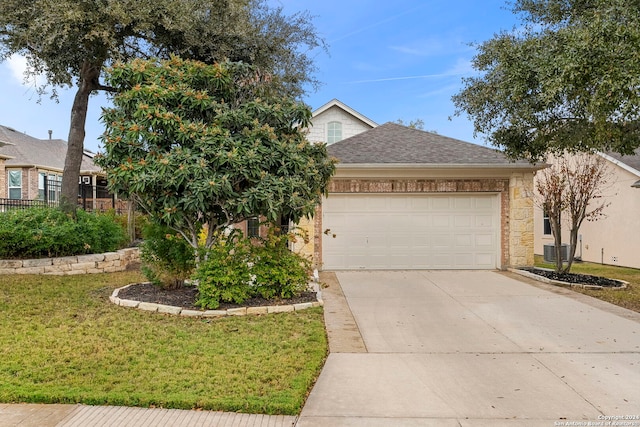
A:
627	298
62	341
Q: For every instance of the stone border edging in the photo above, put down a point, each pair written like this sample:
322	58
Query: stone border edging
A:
239	311
543	279
108	262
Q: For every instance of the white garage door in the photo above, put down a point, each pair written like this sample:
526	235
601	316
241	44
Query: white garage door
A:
410	231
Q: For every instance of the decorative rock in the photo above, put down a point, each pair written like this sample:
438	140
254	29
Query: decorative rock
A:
129	303
214	313
191	313
168	309
90	258
42	262
148	306
10	263
302	306
280	309
256	310
30	270
241	311
64	260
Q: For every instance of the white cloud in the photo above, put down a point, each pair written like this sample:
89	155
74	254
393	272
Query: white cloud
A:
18	66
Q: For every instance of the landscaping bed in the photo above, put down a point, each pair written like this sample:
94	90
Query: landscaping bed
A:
575	279
185	297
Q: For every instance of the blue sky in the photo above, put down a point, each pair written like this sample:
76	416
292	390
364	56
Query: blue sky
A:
388	60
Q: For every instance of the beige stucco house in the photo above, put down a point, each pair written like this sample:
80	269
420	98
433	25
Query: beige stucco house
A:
613	239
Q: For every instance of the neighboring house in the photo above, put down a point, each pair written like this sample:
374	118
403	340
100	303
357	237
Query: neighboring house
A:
403	198
31	169
614	238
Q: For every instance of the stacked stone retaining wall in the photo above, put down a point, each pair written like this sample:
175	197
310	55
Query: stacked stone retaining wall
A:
108	262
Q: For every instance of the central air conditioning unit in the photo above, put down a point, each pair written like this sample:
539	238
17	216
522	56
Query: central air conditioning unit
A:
550	252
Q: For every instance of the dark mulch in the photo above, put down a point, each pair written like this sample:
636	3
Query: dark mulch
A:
576	278
186	296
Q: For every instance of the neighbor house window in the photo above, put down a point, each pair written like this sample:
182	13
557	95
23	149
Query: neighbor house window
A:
546	223
15	184
41	178
54	183
334	132
253	227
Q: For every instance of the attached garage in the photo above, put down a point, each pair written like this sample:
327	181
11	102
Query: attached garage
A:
403	198
417	231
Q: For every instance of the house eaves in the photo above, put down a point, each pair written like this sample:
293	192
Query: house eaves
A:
620	164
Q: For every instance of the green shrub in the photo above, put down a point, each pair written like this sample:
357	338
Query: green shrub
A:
278	271
225	274
167	259
140	221
48	232
236	270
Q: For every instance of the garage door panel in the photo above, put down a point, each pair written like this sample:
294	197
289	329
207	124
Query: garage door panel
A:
410	231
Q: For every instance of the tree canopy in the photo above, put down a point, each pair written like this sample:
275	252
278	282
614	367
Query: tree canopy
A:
195	143
70	42
568	79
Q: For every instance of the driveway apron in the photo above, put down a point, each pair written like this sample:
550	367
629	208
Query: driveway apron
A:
477	348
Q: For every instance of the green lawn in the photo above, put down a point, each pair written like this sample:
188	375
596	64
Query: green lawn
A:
62	341
627	298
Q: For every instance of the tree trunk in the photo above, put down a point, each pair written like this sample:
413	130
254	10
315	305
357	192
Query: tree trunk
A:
131	220
89	76
573	242
556	229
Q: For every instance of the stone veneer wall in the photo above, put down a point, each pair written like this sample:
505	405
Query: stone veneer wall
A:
521	219
516	210
108	262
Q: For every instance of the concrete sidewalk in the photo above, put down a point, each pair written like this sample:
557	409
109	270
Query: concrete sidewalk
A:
31	415
477	348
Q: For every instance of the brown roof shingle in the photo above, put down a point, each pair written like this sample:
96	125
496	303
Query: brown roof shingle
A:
28	151
393	143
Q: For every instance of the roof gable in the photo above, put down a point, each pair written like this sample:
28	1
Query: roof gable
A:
393	143
334	103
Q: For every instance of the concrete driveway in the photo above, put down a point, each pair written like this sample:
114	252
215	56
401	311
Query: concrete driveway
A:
476	348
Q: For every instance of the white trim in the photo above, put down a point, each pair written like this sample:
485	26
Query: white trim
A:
335	103
620	164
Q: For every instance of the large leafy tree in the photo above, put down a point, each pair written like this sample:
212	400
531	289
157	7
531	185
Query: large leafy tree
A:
568	79
574	186
198	144
71	41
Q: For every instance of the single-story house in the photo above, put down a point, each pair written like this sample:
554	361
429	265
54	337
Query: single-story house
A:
404	198
614	238
31	169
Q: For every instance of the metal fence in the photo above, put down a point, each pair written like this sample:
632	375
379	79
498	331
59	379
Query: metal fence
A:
91	198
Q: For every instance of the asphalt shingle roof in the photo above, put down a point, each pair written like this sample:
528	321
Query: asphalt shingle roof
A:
631	160
393	143
45	153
